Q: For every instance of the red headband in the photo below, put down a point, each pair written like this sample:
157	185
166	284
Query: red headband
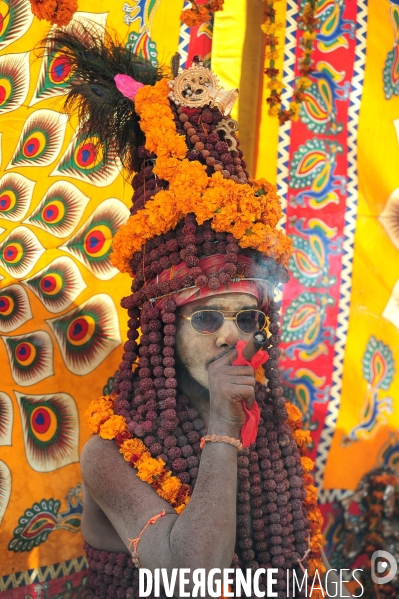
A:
261	289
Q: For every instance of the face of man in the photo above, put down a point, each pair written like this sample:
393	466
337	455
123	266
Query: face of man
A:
195	352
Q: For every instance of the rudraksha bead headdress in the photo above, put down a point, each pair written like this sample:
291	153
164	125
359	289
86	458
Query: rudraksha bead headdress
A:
198	226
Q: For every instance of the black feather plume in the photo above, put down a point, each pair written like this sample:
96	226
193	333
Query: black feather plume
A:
96	57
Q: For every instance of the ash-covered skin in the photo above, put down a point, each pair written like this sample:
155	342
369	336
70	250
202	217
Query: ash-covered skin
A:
195	352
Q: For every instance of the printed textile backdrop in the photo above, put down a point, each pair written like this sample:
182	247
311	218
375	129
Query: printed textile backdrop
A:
61	325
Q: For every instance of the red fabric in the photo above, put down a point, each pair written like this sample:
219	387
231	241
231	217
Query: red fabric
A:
250	429
262	290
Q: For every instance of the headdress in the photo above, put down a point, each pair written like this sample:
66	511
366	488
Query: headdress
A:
199	225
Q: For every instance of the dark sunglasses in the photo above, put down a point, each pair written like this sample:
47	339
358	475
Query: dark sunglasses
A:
206	322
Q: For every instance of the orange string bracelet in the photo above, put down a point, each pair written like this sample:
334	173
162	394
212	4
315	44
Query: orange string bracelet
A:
135	542
221	439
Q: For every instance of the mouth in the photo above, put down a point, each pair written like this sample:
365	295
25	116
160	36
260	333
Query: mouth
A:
220	355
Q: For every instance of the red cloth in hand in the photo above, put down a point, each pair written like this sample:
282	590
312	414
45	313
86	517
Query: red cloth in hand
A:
252	417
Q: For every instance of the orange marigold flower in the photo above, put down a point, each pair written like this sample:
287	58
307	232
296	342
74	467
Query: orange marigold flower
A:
166	168
215	5
131	447
169	488
193	18
113	426
316	542
294	413
311	494
260	375
149	468
314	515
179	509
56	12
307	464
99	410
313	565
94	420
302	438
308	478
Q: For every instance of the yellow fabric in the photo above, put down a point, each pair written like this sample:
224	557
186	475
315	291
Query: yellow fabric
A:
238	60
30	486
375	273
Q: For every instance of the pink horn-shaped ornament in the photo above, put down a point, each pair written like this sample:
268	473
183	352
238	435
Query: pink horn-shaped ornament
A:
127	85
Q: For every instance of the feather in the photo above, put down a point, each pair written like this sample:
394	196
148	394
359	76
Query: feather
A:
96	58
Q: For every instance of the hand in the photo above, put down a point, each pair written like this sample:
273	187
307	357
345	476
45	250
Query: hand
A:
228	386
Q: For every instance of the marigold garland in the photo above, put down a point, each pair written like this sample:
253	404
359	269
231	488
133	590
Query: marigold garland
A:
200	13
56	12
250	213
303	439
308	23
102	420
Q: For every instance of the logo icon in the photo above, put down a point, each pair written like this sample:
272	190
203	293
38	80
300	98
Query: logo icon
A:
383	567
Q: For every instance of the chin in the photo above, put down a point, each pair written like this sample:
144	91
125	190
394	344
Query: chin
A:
201	378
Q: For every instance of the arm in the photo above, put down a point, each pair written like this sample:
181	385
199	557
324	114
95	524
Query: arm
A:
204	535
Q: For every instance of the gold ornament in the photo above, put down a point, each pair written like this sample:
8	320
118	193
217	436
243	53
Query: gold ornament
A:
228	127
198	86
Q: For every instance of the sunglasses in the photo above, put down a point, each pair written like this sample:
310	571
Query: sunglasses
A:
207	322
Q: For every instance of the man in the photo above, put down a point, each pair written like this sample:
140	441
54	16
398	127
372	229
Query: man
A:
212	472
204	535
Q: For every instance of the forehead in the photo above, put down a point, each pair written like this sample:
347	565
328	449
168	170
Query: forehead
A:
223	301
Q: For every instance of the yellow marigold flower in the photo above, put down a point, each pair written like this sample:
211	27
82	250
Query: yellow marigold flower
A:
304	82
275	84
270	28
113	426
274	110
273	55
307	464
295	108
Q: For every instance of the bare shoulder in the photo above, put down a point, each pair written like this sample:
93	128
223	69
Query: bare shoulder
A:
97	449
102	465
113	484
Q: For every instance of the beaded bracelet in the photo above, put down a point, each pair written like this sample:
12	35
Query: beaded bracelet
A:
221	439
135	542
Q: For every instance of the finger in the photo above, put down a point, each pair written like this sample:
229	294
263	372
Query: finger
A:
238	371
249	402
230	357
243	380
238	392
227	358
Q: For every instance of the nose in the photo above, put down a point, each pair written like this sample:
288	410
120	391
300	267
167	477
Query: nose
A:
227	335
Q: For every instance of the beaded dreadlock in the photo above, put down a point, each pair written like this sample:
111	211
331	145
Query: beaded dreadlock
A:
272	524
